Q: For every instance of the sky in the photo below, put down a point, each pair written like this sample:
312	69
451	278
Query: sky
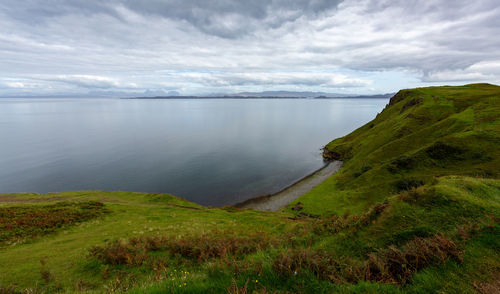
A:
198	47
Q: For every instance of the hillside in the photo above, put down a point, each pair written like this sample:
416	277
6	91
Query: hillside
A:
414	209
421	134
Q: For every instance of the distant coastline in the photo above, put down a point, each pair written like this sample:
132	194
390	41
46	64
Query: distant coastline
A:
378	96
250	95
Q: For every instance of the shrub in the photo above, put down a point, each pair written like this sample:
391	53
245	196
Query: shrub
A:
9	290
395	265
119	252
201	248
411	195
334	224
372	214
46	275
18	222
234	289
390	265
441	151
401	163
427	197
363	170
82	286
331	224
318	262
406	184
409	234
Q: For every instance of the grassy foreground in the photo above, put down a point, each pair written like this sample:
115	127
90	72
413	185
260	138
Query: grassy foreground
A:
414	209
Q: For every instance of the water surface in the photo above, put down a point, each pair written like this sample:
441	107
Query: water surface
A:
212	151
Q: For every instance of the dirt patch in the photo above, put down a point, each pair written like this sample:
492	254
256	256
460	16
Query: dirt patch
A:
491	287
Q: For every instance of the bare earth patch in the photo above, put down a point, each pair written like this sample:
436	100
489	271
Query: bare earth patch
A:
491	287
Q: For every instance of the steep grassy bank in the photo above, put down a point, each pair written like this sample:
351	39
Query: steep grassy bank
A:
422	134
415	209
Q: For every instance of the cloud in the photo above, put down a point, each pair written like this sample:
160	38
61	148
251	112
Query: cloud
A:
327	80
223	45
59	81
84	81
478	72
223	18
15	85
231	19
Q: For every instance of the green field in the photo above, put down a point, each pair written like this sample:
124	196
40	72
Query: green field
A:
414	209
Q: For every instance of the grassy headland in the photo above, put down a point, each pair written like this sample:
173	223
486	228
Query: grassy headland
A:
414	209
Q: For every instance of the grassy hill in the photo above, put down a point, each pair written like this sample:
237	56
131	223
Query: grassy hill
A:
414	209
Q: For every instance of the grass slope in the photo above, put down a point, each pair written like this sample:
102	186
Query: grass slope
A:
415	209
422	134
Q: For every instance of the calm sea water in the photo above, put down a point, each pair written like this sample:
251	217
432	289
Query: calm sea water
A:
213	152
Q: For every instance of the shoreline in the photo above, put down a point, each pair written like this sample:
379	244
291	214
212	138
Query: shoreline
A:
275	201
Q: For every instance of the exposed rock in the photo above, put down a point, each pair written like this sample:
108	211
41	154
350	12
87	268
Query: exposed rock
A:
298	206
401	95
331	155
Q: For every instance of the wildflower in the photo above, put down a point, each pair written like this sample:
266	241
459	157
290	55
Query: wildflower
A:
256	281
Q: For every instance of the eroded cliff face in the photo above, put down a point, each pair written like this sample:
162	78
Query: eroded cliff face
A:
337	152
400	95
331	155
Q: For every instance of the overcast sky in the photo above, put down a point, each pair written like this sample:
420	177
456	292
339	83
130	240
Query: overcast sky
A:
220	46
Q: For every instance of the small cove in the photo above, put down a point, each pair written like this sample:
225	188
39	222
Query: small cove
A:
210	151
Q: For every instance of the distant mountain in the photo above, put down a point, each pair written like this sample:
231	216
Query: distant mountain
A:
286	94
272	94
387	95
149	94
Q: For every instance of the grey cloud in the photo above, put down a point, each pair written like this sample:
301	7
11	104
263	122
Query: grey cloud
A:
231	19
422	36
281	78
35	12
78	45
223	18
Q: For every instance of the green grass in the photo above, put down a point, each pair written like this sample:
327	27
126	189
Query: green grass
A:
464	119
414	209
131	215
